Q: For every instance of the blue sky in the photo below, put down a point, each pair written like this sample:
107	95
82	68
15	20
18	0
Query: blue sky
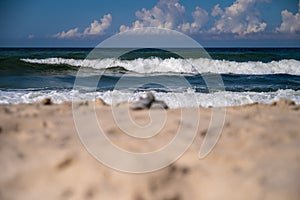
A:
213	23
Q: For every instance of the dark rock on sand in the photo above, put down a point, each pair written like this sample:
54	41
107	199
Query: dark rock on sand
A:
159	105
148	101
47	101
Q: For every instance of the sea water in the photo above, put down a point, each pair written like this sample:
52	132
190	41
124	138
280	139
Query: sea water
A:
248	75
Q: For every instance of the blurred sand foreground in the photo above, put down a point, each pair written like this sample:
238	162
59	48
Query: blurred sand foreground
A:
257	156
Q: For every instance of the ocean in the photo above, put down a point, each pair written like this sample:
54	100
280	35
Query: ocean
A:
248	75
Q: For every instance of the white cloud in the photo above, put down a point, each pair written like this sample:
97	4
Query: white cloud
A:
169	14
200	19
95	28
72	33
241	18
216	11
166	14
290	22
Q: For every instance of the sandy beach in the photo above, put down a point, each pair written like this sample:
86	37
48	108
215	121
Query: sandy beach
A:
150	100
256	157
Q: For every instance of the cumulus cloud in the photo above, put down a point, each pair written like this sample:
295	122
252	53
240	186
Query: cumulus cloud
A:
200	19
290	22
241	18
72	33
96	28
169	14
166	14
216	11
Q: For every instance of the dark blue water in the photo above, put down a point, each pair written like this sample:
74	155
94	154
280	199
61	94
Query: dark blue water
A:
39	73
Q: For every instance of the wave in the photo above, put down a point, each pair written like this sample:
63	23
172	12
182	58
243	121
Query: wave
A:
172	65
173	99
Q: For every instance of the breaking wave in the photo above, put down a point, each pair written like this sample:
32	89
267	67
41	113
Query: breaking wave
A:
172	65
173	99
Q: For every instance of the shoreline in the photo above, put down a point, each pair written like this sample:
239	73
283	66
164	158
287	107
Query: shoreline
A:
256	157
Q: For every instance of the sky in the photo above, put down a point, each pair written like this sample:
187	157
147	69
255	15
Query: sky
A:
212	23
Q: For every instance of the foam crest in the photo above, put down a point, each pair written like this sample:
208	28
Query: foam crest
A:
172	65
173	99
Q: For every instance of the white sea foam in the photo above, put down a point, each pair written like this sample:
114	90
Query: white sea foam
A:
201	65
173	99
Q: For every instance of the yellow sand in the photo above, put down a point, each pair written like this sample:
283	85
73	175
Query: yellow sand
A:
257	156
